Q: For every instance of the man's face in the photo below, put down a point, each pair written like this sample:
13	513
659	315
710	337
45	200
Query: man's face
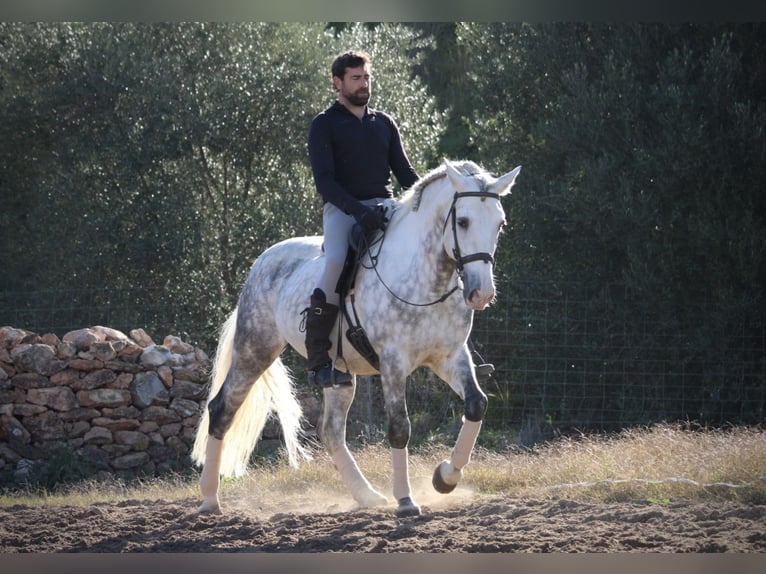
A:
356	85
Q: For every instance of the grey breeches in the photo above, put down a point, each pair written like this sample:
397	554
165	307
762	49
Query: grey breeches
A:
337	226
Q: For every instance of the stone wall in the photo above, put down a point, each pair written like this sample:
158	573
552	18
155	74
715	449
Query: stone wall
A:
124	404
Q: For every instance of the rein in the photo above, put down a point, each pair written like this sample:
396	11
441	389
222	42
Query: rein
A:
355	333
460	260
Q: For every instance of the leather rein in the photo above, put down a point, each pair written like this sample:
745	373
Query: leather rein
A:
460	260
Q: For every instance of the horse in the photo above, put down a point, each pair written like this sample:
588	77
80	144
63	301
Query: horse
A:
440	239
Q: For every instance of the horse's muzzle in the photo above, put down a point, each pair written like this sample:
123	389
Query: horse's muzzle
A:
478	290
477	297
479	301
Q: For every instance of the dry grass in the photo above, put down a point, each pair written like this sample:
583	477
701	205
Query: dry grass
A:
658	464
94	491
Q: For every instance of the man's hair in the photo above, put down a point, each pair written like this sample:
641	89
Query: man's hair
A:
350	59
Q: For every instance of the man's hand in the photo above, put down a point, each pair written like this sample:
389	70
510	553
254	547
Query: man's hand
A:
372	219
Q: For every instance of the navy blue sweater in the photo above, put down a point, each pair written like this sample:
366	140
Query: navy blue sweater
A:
352	159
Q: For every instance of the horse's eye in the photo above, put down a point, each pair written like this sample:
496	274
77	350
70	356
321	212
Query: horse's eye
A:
462	222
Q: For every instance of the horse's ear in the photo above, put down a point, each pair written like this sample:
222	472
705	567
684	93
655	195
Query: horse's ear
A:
455	177
502	185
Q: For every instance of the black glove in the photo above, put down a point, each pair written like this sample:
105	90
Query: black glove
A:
371	219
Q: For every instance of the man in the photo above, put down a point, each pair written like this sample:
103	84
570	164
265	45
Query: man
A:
353	150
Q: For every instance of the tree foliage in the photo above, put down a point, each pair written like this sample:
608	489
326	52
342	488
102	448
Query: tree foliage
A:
176	150
160	159
643	150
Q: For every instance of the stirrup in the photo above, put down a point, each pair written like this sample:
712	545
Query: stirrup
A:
328	376
484	371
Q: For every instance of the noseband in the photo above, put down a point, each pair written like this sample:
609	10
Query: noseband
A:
461	260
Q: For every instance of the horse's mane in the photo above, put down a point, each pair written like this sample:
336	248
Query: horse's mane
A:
413	196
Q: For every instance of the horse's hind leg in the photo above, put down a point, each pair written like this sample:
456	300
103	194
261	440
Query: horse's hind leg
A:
222	409
209	480
240	363
332	433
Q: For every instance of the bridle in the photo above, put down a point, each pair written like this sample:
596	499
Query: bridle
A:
355	332
460	260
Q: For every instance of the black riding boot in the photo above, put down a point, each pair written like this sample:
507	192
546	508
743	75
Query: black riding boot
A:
320	320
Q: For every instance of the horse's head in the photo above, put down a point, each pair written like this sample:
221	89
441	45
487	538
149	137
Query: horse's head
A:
472	228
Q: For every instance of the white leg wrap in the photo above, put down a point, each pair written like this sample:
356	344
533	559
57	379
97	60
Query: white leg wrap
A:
209	480
400	465
466	439
360	488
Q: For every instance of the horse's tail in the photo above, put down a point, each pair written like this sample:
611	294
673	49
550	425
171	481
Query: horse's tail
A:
271	393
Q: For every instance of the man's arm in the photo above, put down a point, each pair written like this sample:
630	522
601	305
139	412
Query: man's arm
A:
398	160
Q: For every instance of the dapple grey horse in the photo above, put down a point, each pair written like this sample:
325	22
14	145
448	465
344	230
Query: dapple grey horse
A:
439	243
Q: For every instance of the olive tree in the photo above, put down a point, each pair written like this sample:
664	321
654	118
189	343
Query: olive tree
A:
158	160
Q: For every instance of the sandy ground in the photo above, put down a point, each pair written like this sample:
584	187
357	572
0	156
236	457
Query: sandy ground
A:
465	524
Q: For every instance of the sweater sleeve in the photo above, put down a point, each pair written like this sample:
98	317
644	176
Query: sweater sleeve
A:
398	160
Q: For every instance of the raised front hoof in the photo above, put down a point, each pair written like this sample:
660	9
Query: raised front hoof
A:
445	478
210	507
407	507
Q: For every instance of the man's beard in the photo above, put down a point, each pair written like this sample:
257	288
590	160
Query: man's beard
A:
358	99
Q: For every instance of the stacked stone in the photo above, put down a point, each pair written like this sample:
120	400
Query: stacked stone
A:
125	404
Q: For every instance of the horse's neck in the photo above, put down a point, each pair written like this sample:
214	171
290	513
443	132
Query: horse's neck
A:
417	236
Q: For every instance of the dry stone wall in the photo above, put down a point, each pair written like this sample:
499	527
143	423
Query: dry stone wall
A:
123	403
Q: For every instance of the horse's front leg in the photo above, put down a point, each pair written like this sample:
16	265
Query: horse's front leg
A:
462	379
332	434
399	429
